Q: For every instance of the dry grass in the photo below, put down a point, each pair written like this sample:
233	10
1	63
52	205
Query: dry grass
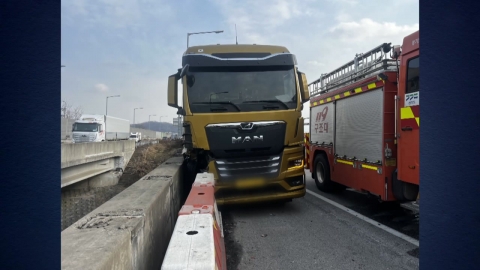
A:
147	159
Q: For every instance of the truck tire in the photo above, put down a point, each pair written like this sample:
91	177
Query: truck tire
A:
403	191
321	173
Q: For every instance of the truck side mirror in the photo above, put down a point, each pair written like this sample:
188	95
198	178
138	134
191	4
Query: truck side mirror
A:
173	91
302	80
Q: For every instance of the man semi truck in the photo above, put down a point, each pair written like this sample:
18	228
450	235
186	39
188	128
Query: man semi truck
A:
364	125
91	128
242	109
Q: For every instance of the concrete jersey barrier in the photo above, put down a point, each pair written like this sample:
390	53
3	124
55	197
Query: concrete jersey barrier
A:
130	231
197	241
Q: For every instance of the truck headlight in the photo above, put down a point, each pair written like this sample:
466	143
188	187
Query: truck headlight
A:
295	163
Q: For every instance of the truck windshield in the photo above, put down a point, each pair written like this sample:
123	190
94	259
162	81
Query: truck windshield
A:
85	127
133	136
236	89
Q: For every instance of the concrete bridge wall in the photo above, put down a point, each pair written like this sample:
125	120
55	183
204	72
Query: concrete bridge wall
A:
130	231
85	160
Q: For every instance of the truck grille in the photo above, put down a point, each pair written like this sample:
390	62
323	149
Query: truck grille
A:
83	138
235	168
246	140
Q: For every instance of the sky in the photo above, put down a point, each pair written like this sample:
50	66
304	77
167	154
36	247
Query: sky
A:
130	47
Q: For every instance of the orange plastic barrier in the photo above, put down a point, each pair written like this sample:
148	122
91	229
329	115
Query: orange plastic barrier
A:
199	228
307	150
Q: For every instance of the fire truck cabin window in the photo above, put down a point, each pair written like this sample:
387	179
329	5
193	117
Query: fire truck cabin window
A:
413	75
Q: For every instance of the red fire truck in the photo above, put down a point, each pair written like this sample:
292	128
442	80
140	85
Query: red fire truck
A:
364	125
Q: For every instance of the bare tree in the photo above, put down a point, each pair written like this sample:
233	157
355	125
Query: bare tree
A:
68	111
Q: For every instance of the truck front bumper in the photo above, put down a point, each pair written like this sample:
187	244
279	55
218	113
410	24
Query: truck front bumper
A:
289	184
268	193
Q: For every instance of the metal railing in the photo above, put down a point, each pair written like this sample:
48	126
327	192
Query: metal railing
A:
364	64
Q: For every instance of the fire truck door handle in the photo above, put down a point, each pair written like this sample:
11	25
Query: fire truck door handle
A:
407	128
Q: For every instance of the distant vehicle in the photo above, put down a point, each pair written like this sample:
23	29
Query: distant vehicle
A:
91	128
135	136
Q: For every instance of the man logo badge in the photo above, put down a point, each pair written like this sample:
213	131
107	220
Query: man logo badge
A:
241	139
246	126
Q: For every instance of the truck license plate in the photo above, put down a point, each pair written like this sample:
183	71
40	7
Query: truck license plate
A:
250	183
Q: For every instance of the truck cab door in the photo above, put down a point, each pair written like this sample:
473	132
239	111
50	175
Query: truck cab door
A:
408	126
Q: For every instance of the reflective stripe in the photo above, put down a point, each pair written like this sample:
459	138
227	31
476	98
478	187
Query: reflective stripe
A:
369	167
410	116
406	113
344	162
307	150
318	101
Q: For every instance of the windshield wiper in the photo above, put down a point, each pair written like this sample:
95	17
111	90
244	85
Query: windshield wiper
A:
269	101
219	102
219	109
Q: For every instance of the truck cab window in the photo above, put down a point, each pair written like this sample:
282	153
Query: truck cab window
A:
413	75
85	127
249	89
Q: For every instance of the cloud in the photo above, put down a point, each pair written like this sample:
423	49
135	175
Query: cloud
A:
114	14
253	17
323	35
132	46
101	87
366	28
315	63
345	2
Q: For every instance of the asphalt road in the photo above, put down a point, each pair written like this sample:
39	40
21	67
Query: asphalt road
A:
309	233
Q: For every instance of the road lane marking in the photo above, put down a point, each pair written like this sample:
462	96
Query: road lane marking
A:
407	238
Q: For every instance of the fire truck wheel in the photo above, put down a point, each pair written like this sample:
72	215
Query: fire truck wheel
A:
403	191
322	174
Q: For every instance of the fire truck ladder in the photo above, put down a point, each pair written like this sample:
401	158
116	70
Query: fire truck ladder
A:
364	64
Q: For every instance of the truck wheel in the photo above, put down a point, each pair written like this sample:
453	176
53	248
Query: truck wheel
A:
322	174
403	191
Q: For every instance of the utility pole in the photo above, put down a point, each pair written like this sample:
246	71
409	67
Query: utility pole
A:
65	117
134	114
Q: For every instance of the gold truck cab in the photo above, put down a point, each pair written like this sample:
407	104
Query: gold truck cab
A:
242	109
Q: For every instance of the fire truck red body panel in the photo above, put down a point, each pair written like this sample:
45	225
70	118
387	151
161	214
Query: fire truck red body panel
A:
366	126
357	174
409	124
